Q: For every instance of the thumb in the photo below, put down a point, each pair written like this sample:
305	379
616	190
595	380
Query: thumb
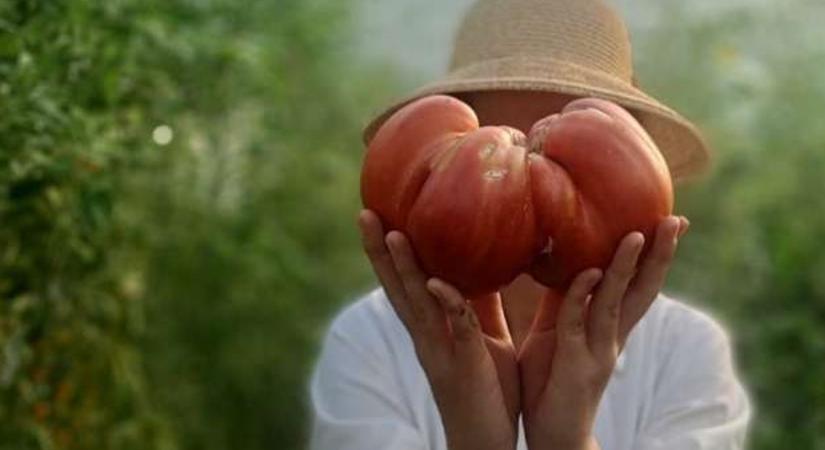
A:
548	312
537	352
490	313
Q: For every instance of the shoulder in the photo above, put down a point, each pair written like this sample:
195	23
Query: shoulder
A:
369	334
370	307
676	318
674	343
684	332
687	373
360	388
365	343
368	320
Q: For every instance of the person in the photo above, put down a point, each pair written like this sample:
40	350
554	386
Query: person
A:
614	365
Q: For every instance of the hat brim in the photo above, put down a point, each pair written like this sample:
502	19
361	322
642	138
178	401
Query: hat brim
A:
684	148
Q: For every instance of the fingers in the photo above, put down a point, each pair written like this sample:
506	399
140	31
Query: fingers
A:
464	325
605	307
504	358
490	315
570	326
456	307
684	226
424	308
538	349
548	312
651	276
394	264
372	237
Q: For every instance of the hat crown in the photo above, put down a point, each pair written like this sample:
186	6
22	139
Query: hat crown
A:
587	33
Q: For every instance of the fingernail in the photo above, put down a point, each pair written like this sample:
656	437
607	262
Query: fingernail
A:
595	277
684	226
388	239
674	224
434	287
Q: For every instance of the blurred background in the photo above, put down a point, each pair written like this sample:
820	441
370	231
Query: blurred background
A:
179	181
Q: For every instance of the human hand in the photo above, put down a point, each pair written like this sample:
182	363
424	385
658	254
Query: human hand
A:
464	347
571	351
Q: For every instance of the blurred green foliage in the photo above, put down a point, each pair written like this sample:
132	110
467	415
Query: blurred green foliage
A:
178	181
161	294
752	77
73	103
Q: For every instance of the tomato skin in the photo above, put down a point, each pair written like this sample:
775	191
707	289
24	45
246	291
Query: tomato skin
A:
600	177
398	159
479	203
473	222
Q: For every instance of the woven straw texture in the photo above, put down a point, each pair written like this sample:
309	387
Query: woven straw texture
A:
572	47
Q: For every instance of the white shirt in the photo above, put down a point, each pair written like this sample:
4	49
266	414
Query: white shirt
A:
674	386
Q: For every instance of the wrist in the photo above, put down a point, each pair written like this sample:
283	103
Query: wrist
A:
570	439
465	439
469	430
588	443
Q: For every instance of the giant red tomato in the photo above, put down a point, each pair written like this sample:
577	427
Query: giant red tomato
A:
479	203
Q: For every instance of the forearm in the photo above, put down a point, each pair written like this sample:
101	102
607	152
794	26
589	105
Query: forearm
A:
468	431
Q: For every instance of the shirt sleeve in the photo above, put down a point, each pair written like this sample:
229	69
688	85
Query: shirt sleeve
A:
698	402
355	399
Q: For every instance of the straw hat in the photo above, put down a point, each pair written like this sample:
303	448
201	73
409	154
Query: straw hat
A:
573	47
